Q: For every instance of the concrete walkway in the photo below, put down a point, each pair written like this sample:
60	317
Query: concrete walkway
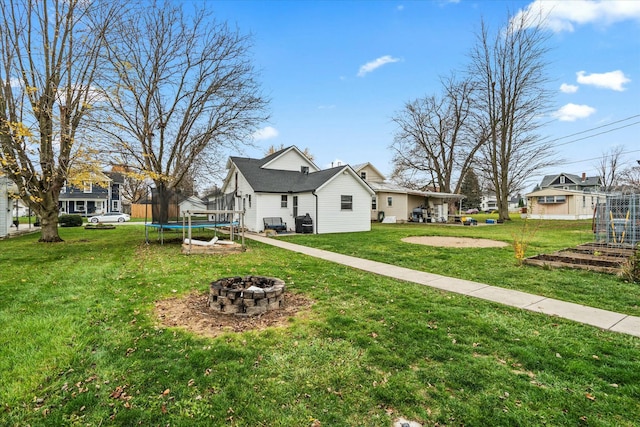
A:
603	319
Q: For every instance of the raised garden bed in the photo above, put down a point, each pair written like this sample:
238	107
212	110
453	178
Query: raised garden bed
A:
589	256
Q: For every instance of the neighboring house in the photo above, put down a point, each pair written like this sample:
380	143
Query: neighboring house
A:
392	200
488	202
565	196
288	185
97	195
567	181
6	203
191	203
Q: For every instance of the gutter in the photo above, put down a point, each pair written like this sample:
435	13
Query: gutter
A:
316	196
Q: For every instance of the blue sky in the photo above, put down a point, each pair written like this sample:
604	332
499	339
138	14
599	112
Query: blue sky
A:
337	71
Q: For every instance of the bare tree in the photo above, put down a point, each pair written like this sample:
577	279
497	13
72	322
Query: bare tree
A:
434	142
609	167
183	91
630	178
50	60
509	74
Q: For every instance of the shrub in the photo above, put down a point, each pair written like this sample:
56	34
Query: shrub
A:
631	268
70	220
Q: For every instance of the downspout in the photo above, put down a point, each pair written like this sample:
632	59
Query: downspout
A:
316	196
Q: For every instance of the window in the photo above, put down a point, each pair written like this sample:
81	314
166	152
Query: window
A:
80	206
304	169
363	175
284	201
249	200
552	199
115	205
295	206
563	179
389	201
346	203
374	203
87	186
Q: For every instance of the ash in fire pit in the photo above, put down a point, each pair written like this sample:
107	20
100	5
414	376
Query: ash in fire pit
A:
246	296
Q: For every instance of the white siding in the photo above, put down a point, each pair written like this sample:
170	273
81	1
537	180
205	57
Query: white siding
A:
291	160
5	211
332	218
268	205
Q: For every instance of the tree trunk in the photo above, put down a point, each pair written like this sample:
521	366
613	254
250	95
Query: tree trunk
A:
49	222
162	203
503	203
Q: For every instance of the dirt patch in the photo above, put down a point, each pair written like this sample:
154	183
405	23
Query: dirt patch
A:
192	313
454	242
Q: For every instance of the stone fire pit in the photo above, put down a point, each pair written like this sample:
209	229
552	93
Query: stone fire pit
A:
246	296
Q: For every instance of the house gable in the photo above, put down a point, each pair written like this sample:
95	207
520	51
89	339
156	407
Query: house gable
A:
569	181
369	173
289	159
347	170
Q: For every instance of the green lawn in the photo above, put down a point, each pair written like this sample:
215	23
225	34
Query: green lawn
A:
493	266
80	344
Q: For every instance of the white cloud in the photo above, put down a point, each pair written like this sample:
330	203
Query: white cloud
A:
265	133
573	112
400	8
613	80
376	63
567	88
563	15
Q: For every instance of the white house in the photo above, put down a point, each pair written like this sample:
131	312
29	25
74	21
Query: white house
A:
191	203
6	204
489	202
288	185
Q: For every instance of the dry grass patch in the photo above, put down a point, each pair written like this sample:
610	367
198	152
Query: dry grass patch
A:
454	242
191	312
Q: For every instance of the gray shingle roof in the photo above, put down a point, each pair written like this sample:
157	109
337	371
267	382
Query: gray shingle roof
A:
576	180
279	181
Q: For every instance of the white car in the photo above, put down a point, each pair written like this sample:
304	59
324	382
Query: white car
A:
110	217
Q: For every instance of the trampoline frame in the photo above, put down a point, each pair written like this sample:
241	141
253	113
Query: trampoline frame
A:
188	225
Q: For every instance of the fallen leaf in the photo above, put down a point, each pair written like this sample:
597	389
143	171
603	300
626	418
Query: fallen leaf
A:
590	396
558	355
167	391
115	394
